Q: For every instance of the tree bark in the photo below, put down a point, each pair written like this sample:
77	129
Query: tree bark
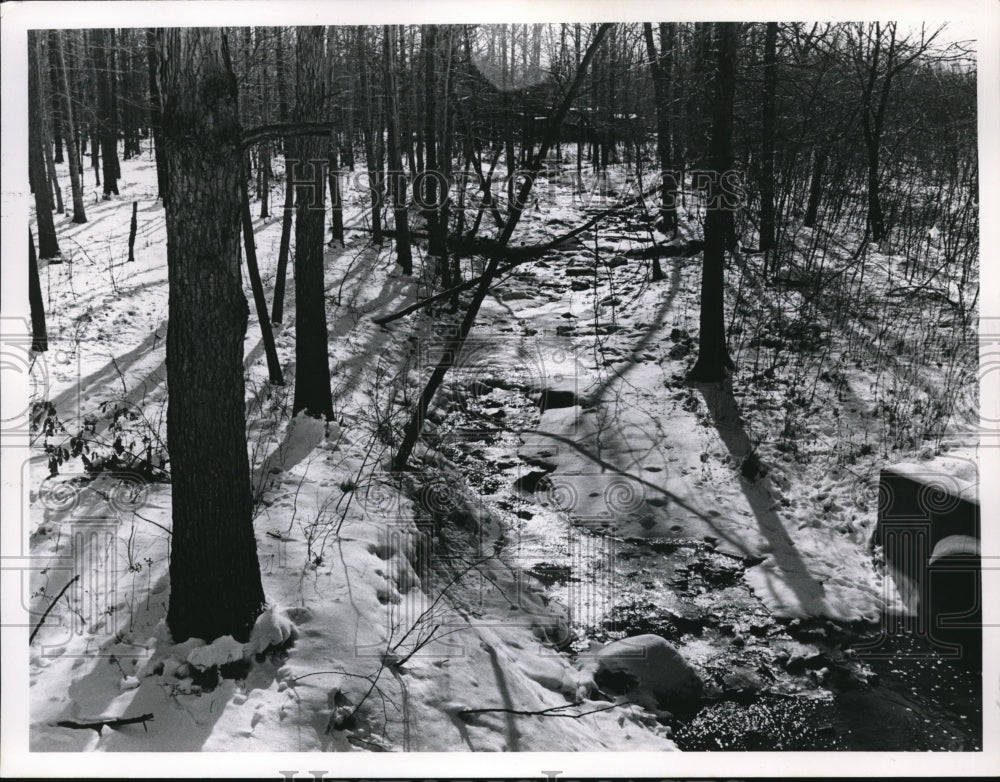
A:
713	354
312	363
107	130
39	336
48	245
56	45
215	586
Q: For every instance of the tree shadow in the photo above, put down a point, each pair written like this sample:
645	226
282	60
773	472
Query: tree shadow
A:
724	409
596	396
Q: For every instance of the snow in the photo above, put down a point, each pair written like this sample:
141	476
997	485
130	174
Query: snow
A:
370	642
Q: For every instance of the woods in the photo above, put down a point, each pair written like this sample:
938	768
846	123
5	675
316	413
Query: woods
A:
563	337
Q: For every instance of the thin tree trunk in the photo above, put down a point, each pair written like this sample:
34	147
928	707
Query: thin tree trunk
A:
56	44
267	335
368	136
668	186
133	225
105	114
454	347
336	206
713	355
397	184
278	307
215	585
48	245
51	168
815	188
769	123
39	336
156	113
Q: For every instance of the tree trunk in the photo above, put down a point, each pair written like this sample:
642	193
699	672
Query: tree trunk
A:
397	184
56	44
312	363
815	188
713	355
454	347
267	335
215	586
368	132
39	336
660	71
336	205
437	244
48	245
278	306
107	129
155	113
769	122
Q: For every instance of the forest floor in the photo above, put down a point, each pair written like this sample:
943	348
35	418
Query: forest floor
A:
571	489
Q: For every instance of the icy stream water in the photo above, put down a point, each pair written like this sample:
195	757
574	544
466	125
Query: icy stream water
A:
770	684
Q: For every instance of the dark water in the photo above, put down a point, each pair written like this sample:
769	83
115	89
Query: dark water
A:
917	701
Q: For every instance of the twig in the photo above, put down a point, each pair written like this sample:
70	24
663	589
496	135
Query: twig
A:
51	606
550	711
99	725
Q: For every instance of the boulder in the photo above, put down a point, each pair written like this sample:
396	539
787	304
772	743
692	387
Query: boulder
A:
648	670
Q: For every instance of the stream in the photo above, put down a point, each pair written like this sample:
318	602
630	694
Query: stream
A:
770	683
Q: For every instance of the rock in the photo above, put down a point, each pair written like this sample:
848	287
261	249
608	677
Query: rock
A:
555	398
579	271
648	670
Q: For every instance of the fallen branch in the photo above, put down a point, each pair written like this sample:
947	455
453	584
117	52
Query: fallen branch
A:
100	725
51	606
522	255
550	712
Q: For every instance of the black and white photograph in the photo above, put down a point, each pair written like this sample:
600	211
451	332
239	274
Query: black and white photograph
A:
613	382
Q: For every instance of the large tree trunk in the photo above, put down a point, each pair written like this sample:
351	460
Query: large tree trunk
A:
56	44
713	355
312	363
215	586
397	185
48	245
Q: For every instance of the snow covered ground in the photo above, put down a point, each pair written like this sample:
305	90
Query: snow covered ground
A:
567	465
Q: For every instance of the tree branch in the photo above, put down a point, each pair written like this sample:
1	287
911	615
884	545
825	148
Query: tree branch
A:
51	606
99	725
284	130
525	254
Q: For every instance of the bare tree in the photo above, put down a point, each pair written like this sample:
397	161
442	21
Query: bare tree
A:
215	586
